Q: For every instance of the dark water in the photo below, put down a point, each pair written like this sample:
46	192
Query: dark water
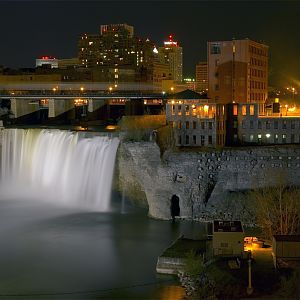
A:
73	254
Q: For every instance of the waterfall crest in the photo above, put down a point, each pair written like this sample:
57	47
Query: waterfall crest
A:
60	166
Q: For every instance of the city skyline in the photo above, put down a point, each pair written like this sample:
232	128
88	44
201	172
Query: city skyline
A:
46	29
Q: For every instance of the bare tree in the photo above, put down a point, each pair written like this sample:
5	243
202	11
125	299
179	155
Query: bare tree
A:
278	208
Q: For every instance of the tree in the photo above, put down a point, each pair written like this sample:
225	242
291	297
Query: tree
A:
278	208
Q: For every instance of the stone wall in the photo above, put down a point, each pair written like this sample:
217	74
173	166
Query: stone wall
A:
210	184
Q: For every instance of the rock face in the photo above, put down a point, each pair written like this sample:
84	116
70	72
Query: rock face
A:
209	184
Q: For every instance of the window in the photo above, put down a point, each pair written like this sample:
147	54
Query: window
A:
292	138
251	124
173	110
243	137
216	87
293	125
251	137
187	125
284	125
259	138
194	124
244	110
187	139
244	124
276	138
235	110
210	139
179	110
235	124
276	125
179	125
203	125
251	110
187	110
215	48
194	140
268	125
235	137
209	125
259	124
202	140
284	138
179	140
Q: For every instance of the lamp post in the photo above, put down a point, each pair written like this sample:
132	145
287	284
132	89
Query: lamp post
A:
249	287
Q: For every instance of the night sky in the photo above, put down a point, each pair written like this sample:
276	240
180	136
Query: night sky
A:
29	29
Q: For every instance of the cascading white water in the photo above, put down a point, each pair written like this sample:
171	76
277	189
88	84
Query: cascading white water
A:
59	166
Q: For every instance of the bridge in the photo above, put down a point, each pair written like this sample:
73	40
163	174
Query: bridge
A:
83	98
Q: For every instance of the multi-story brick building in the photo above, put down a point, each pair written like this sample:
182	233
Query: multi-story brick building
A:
238	72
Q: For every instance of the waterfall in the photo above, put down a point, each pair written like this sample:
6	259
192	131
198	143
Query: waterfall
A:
59	166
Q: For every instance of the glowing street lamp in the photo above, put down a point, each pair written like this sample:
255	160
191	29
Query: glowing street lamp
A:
82	89
110	88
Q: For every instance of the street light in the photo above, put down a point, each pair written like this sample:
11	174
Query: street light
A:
82	89
110	88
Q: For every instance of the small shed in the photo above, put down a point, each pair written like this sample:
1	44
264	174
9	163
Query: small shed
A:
228	238
286	248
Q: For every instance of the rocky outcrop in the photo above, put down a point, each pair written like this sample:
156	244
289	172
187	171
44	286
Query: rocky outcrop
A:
210	184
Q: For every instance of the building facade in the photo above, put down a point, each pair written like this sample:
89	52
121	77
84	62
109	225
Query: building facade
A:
50	61
245	125
238	71
201	77
171	54
196	122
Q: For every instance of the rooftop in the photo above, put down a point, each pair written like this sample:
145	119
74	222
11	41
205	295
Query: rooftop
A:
228	226
187	95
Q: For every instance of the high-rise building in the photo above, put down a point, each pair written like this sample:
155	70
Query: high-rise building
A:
171	54
238	71
50	61
201	77
117	47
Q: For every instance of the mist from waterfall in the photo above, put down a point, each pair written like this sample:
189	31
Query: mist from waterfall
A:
58	166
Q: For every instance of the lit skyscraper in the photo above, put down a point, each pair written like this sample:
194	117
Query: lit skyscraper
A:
171	54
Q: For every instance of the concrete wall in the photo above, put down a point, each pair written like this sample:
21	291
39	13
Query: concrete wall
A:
22	107
95	104
59	106
210	185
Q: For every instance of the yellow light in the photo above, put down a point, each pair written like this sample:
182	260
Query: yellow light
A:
206	107
110	88
116	85
193	106
82	89
54	89
276	100
172	101
111	127
172	89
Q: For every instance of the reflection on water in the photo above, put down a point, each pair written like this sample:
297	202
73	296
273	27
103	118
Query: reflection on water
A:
50	249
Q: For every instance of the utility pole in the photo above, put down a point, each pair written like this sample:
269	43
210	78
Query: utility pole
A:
233	71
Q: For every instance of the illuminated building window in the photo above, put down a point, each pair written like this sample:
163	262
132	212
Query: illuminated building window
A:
179	125
194	124
235	110
187	125
259	138
215	48
284	138
251	110
244	110
251	137
275	138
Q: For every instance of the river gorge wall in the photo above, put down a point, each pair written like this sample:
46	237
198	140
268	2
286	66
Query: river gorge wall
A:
209	184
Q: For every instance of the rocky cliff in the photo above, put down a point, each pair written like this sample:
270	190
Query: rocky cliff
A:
210	184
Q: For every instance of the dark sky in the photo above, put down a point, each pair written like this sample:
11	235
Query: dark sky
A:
29	29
